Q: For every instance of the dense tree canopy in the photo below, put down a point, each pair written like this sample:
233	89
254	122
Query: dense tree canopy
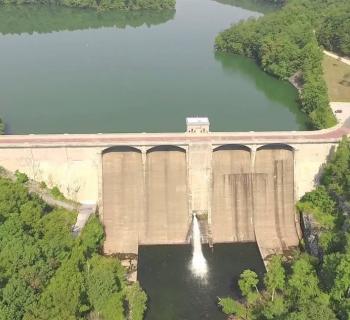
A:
286	42
47	274
308	287
101	4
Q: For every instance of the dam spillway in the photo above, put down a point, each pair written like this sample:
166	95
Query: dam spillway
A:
166	219
232	204
275	220
123	194
240	195
241	185
144	198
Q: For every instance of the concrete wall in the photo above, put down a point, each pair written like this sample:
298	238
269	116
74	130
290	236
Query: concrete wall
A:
123	199
74	170
162	187
308	162
167	219
276	228
232	197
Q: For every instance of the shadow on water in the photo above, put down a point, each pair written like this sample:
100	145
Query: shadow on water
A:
46	19
252	5
274	89
173	292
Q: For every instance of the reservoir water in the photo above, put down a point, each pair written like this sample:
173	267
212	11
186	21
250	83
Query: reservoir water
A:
77	71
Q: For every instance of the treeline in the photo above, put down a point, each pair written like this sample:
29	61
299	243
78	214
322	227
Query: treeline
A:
2	126
44	19
284	43
46	273
308	287
101	4
334	31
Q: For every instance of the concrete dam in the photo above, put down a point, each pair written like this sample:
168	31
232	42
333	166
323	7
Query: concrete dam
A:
241	185
149	200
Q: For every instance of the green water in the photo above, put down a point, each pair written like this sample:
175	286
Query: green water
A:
71	71
175	294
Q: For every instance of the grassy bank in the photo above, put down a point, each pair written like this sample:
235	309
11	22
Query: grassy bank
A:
337	76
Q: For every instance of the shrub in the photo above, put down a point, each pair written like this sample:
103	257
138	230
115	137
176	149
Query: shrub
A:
57	194
21	177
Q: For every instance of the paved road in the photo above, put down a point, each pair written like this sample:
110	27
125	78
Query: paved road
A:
105	140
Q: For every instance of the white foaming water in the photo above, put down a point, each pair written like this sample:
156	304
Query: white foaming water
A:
199	265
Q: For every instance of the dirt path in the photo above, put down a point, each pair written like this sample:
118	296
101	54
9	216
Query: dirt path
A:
335	56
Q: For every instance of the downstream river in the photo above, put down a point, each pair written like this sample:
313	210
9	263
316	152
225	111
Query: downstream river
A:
77	71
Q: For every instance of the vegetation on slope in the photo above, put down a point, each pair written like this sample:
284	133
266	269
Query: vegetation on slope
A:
286	42
101	4
46	273
308	287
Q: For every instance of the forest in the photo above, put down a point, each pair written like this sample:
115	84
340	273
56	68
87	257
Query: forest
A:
100	4
289	43
47	273
308	286
45	19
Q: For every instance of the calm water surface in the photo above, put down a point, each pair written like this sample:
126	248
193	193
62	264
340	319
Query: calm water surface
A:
173	293
64	70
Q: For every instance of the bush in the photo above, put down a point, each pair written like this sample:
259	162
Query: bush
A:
2	127
57	194
42	185
21	177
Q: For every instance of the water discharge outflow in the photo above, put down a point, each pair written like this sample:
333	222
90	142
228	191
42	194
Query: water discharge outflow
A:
199	265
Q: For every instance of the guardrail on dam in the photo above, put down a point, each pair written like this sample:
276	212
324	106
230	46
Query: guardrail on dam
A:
243	185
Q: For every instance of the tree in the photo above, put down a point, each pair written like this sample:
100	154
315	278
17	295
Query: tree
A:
275	277
230	306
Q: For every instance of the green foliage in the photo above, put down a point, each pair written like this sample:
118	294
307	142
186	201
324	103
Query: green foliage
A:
136	299
299	294
102	4
336	177
333	32
92	236
43	185
320	204
103	279
248	285
230	306
283	43
56	193
275	278
46	273
2	127
46	19
21	177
